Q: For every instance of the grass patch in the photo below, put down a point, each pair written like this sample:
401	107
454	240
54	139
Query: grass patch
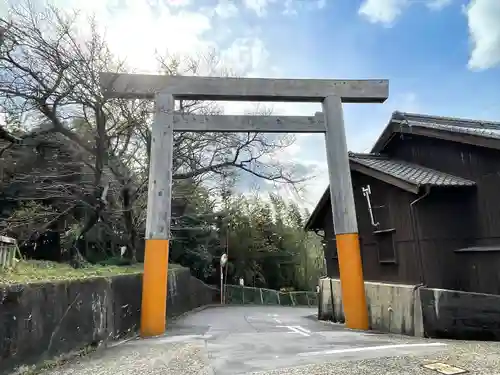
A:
36	271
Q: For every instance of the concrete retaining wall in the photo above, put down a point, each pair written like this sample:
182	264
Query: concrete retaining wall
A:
40	321
330	301
416	311
461	315
390	306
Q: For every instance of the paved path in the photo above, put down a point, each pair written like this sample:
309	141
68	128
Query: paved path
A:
279	340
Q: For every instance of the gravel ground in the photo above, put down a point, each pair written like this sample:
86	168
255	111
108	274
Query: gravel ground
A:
474	357
193	358
270	340
142	357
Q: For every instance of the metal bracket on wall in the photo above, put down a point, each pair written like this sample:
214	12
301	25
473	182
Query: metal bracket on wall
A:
366	192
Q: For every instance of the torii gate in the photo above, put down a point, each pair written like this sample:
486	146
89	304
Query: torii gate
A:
165	89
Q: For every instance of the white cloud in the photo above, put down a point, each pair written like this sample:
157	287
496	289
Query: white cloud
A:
364	135
294	7
178	3
160	30
321	4
186	32
362	132
311	190
226	9
258	6
387	11
290	7
3	9
382	11
484	30
438	4
137	32
483	20
408	102
246	55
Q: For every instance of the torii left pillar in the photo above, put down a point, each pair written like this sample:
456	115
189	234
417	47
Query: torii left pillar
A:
154	282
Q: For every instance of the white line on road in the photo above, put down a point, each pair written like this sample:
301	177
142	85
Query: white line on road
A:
275	318
368	348
303	329
296	329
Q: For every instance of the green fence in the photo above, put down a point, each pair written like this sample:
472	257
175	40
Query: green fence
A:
244	295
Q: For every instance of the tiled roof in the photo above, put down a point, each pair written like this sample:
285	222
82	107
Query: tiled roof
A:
411	173
406	121
486	129
408	172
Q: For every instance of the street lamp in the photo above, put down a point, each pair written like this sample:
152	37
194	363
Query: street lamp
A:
223	262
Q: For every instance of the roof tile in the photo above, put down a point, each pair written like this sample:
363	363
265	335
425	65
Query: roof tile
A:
412	173
487	129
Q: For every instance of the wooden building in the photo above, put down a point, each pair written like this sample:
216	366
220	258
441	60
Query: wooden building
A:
433	185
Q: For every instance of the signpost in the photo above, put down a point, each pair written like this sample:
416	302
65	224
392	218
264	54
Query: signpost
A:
165	89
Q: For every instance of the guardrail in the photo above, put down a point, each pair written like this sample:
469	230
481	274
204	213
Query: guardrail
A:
242	295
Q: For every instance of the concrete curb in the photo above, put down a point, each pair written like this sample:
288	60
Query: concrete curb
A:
112	344
197	309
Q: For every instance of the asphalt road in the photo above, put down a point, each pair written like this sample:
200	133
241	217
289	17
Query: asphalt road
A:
280	340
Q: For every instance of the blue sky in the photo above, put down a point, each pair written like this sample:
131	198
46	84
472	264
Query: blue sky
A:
441	56
429	50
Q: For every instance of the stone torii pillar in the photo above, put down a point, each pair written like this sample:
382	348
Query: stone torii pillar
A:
331	93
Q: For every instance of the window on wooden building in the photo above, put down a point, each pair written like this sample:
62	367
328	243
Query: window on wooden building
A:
385	245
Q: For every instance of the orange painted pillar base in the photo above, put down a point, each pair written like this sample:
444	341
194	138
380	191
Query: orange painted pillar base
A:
154	288
351	281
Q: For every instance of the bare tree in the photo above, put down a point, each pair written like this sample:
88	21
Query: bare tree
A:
47	179
49	74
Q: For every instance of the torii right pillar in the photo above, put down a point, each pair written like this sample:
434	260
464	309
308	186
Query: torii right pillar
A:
344	216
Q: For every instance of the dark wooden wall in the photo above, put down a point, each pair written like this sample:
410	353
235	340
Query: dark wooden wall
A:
447	221
391	209
439	227
476	222
479	271
443	225
479	164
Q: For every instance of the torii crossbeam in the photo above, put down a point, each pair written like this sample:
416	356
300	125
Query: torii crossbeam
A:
331	93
